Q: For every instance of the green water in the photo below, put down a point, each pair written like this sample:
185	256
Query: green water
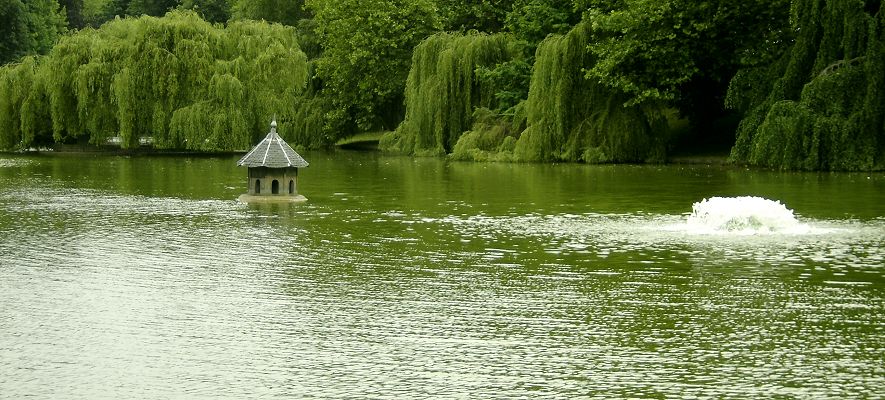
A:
142	277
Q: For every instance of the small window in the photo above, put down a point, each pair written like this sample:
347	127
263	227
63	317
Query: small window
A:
275	187
292	186
258	186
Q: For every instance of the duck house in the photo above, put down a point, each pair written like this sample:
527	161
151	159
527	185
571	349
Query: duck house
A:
273	170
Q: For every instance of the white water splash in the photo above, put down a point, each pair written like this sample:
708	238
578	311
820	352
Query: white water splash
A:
746	215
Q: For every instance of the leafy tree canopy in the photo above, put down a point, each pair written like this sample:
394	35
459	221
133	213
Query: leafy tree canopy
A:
667	49
529	22
29	27
210	10
367	48
154	8
179	80
74	9
286	12
821	106
532	20
479	15
95	12
14	28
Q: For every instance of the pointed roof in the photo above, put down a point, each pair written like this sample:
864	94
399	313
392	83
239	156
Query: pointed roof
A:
272	152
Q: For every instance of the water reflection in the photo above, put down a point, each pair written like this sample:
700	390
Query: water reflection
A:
409	278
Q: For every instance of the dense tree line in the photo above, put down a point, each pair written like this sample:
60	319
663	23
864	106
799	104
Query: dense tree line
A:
821	104
29	27
792	84
178	80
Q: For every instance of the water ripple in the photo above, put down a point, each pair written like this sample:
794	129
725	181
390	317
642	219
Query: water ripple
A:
110	296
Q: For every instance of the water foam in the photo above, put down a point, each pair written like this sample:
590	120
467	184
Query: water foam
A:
745	215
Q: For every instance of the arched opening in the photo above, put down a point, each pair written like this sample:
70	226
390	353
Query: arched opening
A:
258	186
291	186
275	187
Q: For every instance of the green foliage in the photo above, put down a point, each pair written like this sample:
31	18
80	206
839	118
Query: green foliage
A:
210	10
114	8
443	90
367	50
492	138
532	20
14	30
809	79
95	12
566	117
508	80
24	112
682	52
571	118
308	39
473	15
179	80
74	12
154	8
286	12
46	22
29	27
307	126
529	22
826	106
16	81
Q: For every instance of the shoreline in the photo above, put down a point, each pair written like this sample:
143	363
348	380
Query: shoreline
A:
708	159
116	151
714	159
682	159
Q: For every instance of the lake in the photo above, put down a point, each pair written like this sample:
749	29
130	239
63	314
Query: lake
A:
143	277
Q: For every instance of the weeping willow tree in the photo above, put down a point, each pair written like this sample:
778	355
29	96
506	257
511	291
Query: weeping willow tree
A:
177	81
308	125
571	118
16	85
442	91
822	106
492	137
